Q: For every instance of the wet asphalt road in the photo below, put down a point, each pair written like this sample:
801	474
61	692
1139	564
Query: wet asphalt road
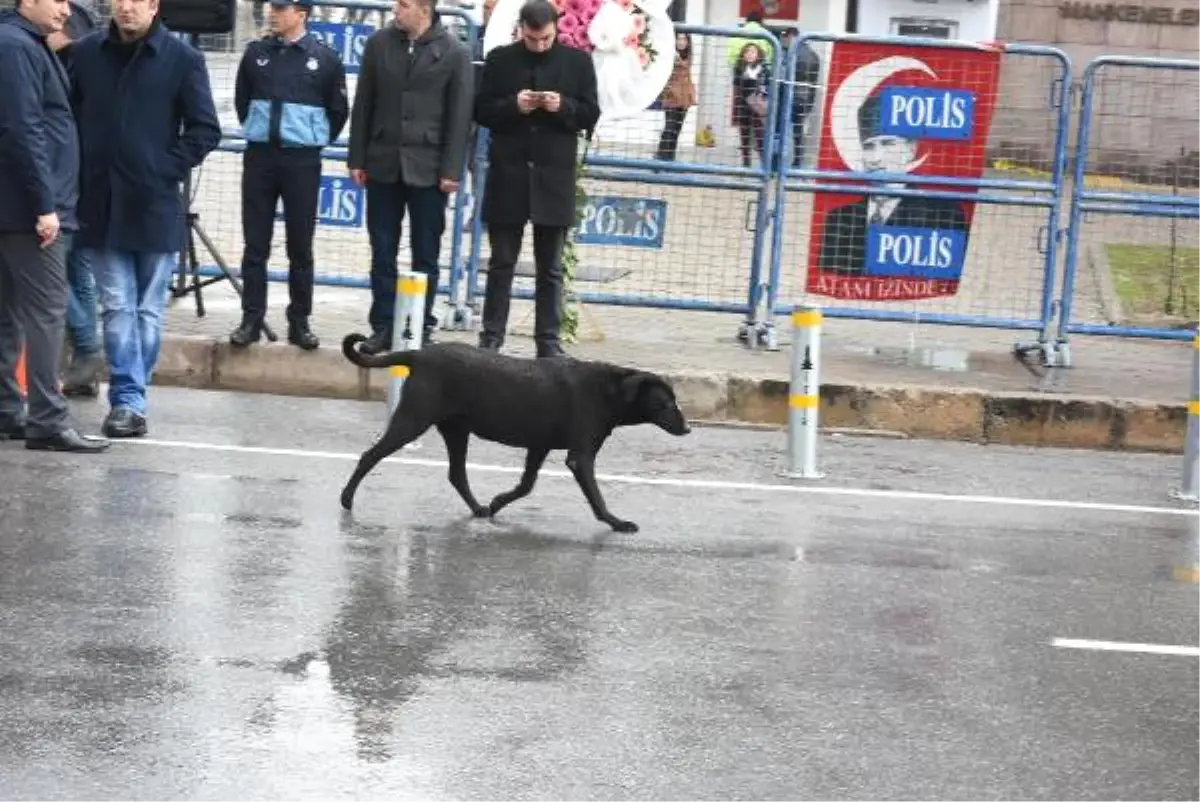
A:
195	622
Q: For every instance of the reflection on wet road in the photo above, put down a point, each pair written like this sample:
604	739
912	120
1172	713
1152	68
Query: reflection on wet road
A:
197	624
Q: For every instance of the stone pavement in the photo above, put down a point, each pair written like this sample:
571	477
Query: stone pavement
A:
922	380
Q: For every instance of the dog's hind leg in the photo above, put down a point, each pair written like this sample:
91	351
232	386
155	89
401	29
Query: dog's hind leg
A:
456	436
583	467
533	463
400	432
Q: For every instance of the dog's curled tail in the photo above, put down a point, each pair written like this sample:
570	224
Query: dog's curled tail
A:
351	352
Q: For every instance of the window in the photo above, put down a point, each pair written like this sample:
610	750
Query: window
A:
924	28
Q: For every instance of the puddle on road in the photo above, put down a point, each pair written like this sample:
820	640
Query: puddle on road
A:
932	357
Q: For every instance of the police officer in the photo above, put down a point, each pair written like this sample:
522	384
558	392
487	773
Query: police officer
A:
291	101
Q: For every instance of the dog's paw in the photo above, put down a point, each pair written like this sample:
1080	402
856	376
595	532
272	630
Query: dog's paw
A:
347	500
482	512
625	527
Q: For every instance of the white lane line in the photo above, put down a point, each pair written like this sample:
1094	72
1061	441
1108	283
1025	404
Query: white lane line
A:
1116	646
703	484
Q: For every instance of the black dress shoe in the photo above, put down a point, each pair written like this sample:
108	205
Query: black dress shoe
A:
122	422
67	440
549	350
299	334
248	332
379	342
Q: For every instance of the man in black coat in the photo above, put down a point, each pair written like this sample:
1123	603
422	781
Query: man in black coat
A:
536	96
39	172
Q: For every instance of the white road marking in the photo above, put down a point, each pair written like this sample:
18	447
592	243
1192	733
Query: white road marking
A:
1116	646
700	484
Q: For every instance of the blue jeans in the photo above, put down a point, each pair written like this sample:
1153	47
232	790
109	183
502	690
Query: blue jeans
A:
133	293
386	205
82	313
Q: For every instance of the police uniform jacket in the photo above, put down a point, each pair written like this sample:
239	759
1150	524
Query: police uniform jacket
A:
291	94
532	157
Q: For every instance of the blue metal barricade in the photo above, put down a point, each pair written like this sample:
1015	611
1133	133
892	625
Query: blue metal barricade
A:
705	256
341	246
1134	180
1008	279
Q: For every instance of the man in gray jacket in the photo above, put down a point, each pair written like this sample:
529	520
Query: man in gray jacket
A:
408	138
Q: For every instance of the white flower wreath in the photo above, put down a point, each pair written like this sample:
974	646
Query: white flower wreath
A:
632	43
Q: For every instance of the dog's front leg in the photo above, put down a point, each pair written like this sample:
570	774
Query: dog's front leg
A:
456	437
583	467
533	463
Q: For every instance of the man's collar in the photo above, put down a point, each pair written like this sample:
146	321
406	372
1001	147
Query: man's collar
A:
435	27
14	17
301	41
153	37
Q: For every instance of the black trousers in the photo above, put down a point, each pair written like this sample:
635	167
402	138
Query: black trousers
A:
386	205
268	174
668	141
505	242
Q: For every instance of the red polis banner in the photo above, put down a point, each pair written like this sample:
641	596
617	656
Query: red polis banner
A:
895	109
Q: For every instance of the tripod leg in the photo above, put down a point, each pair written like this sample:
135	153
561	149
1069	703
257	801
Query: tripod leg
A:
195	262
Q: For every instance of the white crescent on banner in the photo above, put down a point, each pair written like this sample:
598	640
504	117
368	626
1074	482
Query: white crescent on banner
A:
849	97
624	87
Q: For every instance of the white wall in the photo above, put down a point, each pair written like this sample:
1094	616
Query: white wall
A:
976	18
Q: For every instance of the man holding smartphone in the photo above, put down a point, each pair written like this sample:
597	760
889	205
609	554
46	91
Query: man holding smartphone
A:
536	96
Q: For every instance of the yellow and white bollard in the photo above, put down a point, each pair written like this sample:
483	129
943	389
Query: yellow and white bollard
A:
408	329
804	398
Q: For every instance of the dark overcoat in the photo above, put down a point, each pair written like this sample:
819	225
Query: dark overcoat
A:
146	119
39	146
531	158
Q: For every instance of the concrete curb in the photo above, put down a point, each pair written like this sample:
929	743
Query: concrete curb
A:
920	412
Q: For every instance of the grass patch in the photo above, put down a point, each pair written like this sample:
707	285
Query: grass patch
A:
1152	285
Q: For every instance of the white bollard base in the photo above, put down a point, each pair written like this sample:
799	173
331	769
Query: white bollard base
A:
790	474
1180	495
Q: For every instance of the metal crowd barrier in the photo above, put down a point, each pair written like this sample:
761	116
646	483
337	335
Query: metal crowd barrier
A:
687	232
698	229
1007	281
1149	197
341	247
682	233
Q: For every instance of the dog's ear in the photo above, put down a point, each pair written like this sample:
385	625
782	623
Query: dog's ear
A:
631	386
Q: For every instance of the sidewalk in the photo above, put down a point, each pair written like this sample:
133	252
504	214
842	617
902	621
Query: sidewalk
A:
919	381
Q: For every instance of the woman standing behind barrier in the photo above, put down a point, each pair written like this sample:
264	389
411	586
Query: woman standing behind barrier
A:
751	82
677	97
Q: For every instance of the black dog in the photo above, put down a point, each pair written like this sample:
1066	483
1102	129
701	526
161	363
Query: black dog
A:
540	405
